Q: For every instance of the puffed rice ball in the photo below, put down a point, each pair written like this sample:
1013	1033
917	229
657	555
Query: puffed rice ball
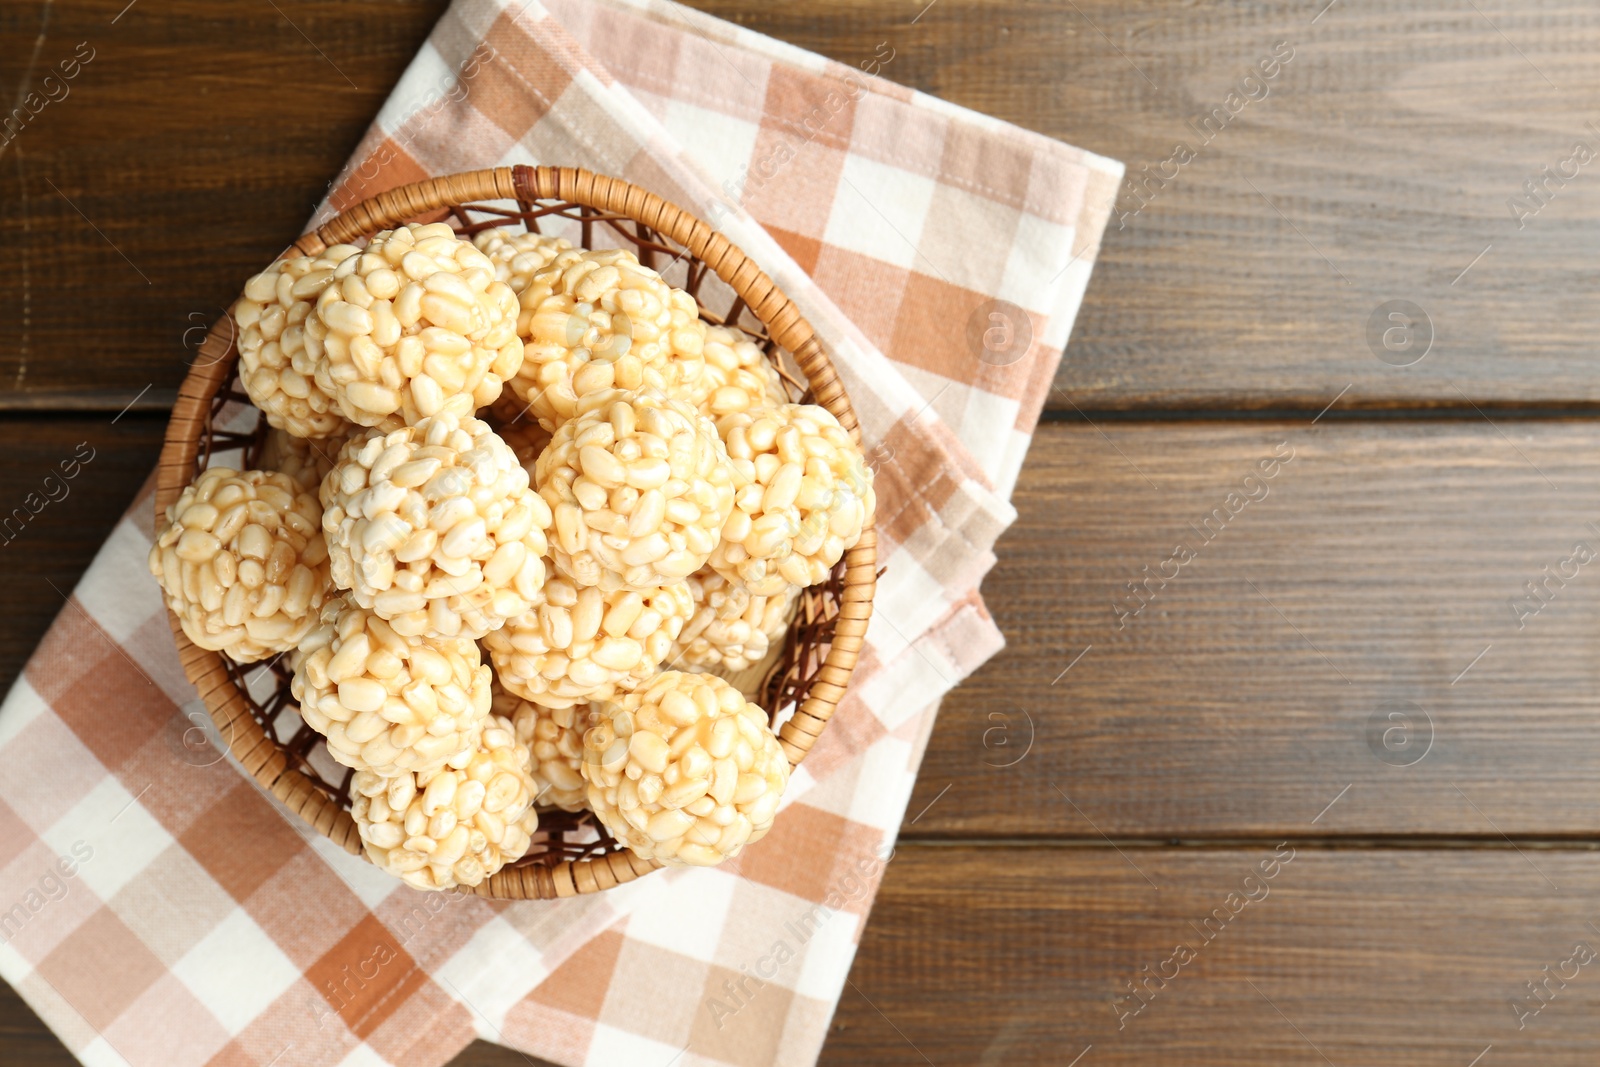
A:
276	365
639	486
386	703
805	495
738	375
413	326
518	256
732	628
594	321
451	827
582	644
243	562
305	459
435	529
684	770
554	737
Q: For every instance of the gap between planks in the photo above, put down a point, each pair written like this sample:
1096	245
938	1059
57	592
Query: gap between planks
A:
1328	843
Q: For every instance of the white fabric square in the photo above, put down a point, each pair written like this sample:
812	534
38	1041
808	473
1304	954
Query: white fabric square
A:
611	1047
236	971
720	145
428	79
117	590
908	600
492	973
1037	266
22	705
985	412
879	211
99	1053
686	914
883	786
124	836
915	677
363	1056
829	951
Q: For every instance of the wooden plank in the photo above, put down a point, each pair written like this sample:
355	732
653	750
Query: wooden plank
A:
186	153
1383	569
1397	958
1377	167
45	553
24	1038
484	1054
1409	958
198	139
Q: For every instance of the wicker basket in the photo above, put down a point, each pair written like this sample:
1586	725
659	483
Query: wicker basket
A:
252	706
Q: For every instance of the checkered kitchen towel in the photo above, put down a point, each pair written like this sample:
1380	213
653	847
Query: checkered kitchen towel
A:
155	909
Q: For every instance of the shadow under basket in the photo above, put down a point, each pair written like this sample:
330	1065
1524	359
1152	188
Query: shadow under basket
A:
801	683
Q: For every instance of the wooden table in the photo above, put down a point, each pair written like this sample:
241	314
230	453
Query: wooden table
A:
1376	682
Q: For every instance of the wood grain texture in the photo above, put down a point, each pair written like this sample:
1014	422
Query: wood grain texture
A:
1399	959
1225	716
1376	167
1384	557
185	154
24	1039
43	554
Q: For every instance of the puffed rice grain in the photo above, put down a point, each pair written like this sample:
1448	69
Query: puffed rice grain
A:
684	770
243	562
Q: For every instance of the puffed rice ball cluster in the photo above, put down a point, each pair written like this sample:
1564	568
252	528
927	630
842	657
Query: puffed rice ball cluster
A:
685	771
595	321
305	459
506	599
243	562
732	628
454	826
583	644
284	375
517	257
434	528
415	325
386	703
554	737
738	375
640	487
805	496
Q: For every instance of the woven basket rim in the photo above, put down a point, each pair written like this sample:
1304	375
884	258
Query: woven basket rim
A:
260	755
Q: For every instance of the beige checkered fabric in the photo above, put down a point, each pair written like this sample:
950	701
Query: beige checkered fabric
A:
157	908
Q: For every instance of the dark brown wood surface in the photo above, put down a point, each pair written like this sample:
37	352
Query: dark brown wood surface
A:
1382	571
1341	667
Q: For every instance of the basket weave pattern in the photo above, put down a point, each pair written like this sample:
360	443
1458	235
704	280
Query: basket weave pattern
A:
251	706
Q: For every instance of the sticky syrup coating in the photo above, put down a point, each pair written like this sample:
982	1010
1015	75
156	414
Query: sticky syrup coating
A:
684	770
415	325
277	367
581	644
434	527
599	320
639	486
554	737
453	827
731	629
243	562
805	495
387	703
